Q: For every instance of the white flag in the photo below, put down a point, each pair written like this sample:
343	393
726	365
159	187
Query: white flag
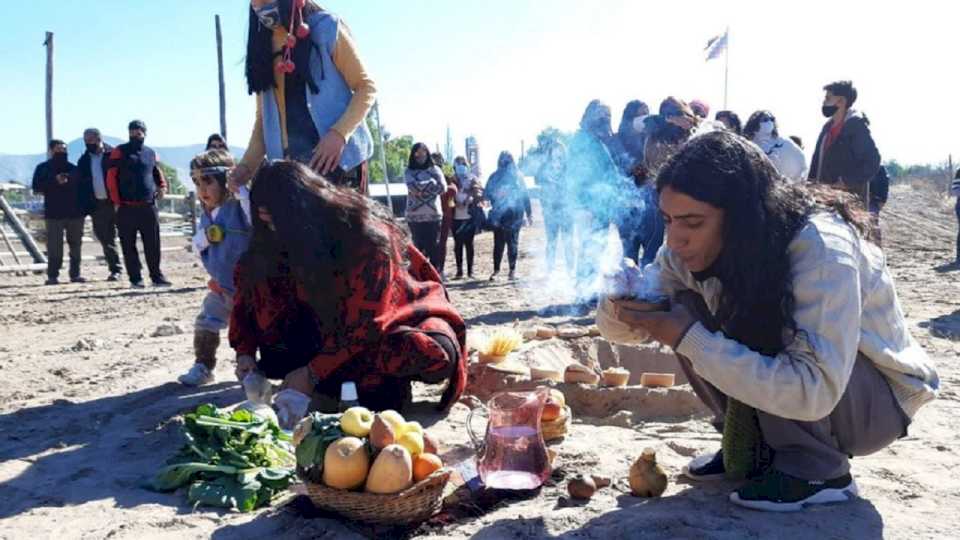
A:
716	46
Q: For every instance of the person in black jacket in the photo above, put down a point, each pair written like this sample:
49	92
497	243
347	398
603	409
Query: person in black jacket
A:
61	210
92	178
846	156
135	182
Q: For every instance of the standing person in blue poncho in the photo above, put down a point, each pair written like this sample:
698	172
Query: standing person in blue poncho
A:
594	179
509	202
313	93
222	238
425	184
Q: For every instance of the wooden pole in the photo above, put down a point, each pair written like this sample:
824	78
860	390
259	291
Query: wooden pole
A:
6	240
223	95
25	238
49	44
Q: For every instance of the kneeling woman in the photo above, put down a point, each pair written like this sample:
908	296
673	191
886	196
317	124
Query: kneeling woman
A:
331	291
785	320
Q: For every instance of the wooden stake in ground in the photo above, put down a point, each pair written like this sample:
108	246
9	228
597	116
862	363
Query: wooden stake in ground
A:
223	97
49	44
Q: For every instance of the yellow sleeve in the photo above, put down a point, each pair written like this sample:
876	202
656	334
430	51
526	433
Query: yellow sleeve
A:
348	62
255	148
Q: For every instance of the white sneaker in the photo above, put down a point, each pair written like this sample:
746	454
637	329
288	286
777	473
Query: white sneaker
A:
198	375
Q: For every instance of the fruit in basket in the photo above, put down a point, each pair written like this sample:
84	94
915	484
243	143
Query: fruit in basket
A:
357	421
395	419
345	464
392	471
412	441
411	426
382	433
424	465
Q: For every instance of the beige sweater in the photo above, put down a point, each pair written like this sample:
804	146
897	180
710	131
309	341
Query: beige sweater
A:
845	304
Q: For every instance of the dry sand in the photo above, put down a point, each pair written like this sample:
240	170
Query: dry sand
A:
88	408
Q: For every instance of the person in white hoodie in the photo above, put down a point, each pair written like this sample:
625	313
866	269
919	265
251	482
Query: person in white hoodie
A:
761	128
780	308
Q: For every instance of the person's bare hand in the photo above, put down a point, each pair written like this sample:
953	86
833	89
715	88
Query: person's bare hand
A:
667	327
238	176
299	380
326	156
245	365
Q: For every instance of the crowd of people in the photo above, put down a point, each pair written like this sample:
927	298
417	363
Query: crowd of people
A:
783	314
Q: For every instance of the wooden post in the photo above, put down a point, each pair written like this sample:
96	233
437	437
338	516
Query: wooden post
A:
192	211
223	96
25	238
49	45
383	157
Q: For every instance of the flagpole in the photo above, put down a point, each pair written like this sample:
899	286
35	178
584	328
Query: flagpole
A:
726	69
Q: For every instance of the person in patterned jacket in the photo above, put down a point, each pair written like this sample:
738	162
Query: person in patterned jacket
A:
332	290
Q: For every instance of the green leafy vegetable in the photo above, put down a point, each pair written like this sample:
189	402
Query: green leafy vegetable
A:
311	450
231	459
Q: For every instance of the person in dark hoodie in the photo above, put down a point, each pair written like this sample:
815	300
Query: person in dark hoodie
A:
845	156
135	183
509	201
62	212
631	133
92	177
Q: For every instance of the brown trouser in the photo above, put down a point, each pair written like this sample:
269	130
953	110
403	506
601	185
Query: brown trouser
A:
866	419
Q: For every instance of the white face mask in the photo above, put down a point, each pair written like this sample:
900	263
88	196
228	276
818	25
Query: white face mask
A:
767	127
638	122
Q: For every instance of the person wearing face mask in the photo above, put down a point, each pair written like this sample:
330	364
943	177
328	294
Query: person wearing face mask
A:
785	320
135	183
92	176
425	184
509	201
466	223
62	211
845	156
786	156
312	90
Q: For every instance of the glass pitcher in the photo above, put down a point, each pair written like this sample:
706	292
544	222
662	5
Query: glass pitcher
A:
512	455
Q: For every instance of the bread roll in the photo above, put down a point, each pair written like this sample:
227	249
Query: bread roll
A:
578	373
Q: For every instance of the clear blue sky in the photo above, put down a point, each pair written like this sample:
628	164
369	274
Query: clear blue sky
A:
500	69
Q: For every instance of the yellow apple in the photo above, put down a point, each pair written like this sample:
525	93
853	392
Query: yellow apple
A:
412	441
393	418
356	421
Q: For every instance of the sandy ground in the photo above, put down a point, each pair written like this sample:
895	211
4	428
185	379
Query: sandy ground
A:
88	408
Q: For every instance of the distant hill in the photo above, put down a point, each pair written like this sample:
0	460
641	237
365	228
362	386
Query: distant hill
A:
19	168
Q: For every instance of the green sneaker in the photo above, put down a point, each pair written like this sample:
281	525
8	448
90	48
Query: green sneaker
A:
779	492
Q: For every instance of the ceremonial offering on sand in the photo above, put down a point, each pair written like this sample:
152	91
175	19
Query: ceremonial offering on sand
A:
376	468
498	345
231	459
512	453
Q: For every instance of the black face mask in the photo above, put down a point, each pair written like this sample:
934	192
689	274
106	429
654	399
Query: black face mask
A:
93	148
136	142
60	158
829	110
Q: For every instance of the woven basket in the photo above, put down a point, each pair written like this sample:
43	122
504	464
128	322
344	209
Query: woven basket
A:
558	428
412	505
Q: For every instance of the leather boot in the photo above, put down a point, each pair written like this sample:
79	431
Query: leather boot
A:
205	345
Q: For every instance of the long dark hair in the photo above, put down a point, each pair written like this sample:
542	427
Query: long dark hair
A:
753	124
412	161
260	55
322	232
762	214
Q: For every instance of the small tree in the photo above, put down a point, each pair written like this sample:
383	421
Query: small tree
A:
174	185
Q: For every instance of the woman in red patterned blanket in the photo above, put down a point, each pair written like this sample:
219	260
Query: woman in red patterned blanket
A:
332	290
